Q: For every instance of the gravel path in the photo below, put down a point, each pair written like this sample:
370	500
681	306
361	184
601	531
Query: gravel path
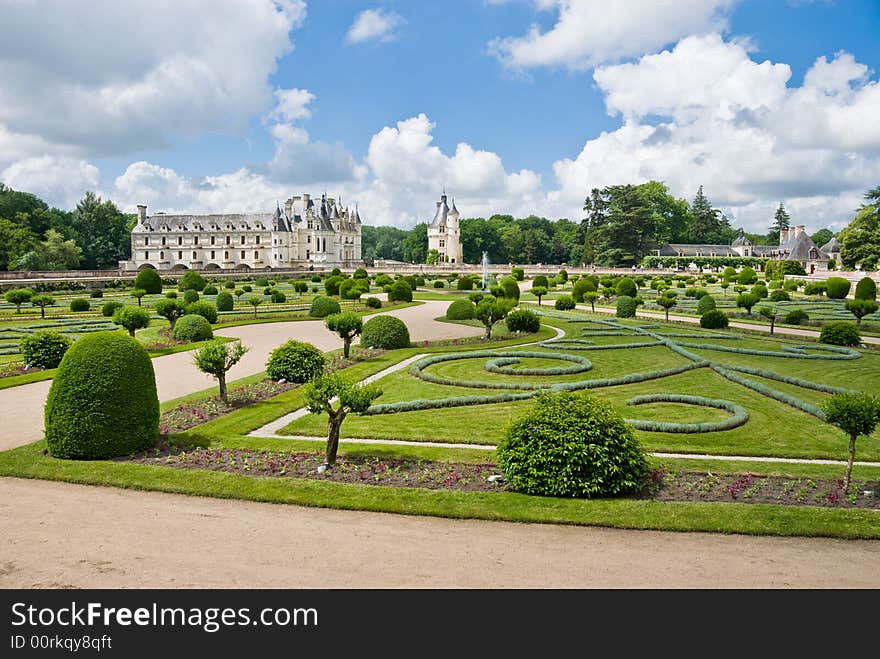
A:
92	537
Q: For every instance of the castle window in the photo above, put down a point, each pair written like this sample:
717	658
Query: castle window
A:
242	240
195	240
163	240
161	256
242	253
212	254
146	240
442	243
146	256
194	256
212	240
179	256
180	240
226	255
258	240
308	238
227	240
256	255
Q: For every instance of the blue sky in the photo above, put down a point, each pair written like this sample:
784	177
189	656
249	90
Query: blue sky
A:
516	106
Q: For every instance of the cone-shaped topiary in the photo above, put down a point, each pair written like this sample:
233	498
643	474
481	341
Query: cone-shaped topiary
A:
385	332
103	400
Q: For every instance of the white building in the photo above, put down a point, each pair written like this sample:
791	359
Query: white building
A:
306	232
444	233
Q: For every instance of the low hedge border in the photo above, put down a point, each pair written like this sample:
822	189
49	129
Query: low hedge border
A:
788	379
763	389
790	352
502	364
739	414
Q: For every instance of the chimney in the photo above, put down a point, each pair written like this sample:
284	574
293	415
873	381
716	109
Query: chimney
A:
288	207
142	214
438	205
798	229
783	236
306	198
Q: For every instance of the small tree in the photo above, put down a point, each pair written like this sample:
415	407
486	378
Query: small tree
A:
747	301
42	301
856	414
324	390
170	310
489	313
770	314
255	301
724	286
667	303
347	326
861	308
131	318
539	292
18	296
138	293
591	297
216	359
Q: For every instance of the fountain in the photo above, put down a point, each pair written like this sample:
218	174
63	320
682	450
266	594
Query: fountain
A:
485	272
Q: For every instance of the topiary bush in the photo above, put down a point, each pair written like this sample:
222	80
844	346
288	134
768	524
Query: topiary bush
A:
261	281
110	307
332	284
626	286
706	303
277	296
796	317
540	280
96	294
385	332
191	281
192	327
626	307
324	306
350	289
572	445
44	349
837	288
581	287
780	296
204	309
209	290
747	276
760	290
840	333
190	296
714	319
103	401
518	273
229	285
373	303
80	304
400	291
866	289
522	320
224	301
465	283
511	288
295	361
149	281
564	303
439	283
461	310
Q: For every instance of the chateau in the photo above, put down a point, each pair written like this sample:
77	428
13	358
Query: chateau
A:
307	232
444	234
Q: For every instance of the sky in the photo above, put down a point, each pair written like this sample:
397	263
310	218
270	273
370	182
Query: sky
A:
514	106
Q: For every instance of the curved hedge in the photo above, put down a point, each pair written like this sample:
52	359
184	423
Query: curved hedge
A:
103	401
295	361
192	327
739	414
385	332
324	306
461	310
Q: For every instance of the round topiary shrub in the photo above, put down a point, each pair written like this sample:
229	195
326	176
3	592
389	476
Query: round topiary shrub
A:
465	283
295	361
714	319
385	332
262	281
747	276
760	290
626	307
400	291
706	303
374	303
192	327
277	296
461	310
840	333
331	285
103	400
191	281
110	307
247	288
209	290
518	273
511	288
626	286
439	283
324	306
522	320
149	281
796	317
230	285
350	289
44	349
96	294
204	309
80	304
571	445
224	301
540	280
190	296
837	288
866	289
564	303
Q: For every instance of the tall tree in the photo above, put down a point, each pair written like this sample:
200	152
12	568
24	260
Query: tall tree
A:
706	225
101	230
822	236
860	241
620	226
781	220
415	244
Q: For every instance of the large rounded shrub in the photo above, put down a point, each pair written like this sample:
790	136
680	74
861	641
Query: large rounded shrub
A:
110	307
400	291
204	309
96	294
571	445
331	285
626	286
295	361
44	349
190	296
511	288
796	317
522	320
80	304
747	276
461	310
714	319
837	288
149	281
224	301
518	273
540	280
706	303
866	289
780	296
191	281
626	307
103	400
581	286
840	333
564	303
465	283
209	290
350	289
192	327
385	332
373	303
324	306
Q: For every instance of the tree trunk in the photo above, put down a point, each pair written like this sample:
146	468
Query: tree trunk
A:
43	313
333	426
255	312
849	464
593	306
18	308
221	378
667	315
489	331
772	325
539	301
131	332
139	302
346	343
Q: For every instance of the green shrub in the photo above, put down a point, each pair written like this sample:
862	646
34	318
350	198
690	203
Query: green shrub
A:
247	288
360	273
103	400
439	283
706	303
400	292
190	296
581	287
760	290
171	295
332	284
350	289
695	292
295	361
562	276
837	288
540	280
747	301
277	296
564	303
796	317
44	349
131	318
209	290
385	332
714	319
866	289
465	283
383	280
522	320
324	306
461	310
626	307
149	281
814	288
268	291
224	301
192	327
571	445
96	294
191	281
747	276
511	288
840	333
790	285
229	285
780	296
204	309
476	297
80	304
626	286
518	273
374	303
261	281
110	307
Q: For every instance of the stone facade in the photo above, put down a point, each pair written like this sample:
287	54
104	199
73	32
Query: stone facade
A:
444	233
306	232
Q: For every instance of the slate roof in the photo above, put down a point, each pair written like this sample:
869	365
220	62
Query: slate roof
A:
439	221
194	222
831	246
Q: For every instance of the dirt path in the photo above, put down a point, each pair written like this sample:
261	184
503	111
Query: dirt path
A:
91	537
176	376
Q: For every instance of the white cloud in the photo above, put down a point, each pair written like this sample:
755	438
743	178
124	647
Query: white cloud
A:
112	77
374	25
60	181
590	32
292	104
